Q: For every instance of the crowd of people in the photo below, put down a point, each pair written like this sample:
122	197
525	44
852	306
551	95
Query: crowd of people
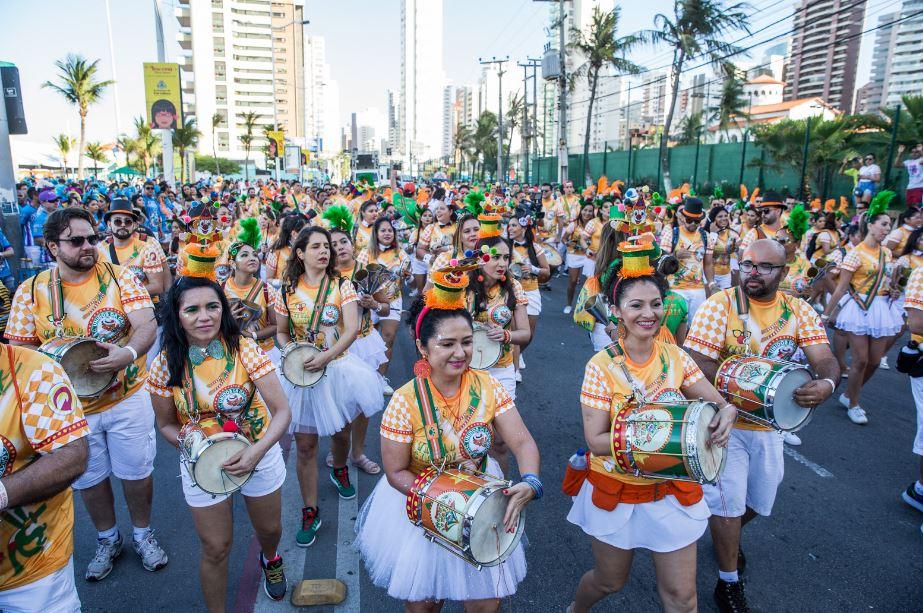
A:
224	315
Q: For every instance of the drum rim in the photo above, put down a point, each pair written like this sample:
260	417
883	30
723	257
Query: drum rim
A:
483	331
491	489
299	345
67	343
693	463
210	441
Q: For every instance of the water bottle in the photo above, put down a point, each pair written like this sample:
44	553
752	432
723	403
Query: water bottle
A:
578	461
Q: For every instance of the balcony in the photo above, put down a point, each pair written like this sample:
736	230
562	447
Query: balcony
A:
183	15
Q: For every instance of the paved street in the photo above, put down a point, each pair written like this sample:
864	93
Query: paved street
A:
840	539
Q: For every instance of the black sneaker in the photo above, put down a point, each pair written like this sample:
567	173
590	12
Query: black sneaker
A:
912	498
730	597
741	562
274	578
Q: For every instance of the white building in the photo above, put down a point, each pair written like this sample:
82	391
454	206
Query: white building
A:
422	80
905	77
240	56
322	98
448	120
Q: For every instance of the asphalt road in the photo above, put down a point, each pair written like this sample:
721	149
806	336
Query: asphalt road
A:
839	539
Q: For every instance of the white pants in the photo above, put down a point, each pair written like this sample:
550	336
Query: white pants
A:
751	476
54	593
916	386
694	299
121	441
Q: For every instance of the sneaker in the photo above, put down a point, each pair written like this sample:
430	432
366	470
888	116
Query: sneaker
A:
730	597
310	524
884	364
152	556
567	310
741	562
518	377
274	583
845	401
857	415
340	479
912	498
791	438
522	363
107	550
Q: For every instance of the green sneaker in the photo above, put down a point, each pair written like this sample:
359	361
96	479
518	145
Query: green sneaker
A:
340	479
310	524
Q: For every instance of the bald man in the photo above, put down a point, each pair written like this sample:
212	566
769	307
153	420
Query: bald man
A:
757	319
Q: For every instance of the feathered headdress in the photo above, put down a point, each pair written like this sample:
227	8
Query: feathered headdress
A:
717	192
474	202
339	218
879	203
407	207
249	235
797	222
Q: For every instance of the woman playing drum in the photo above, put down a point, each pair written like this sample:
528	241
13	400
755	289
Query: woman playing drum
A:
464	408
318	308
206	379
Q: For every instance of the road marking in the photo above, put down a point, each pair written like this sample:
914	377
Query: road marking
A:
819	470
347	553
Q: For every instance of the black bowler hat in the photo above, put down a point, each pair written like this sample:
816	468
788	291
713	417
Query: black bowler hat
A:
120	205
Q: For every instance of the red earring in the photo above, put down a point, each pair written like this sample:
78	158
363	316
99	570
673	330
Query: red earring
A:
480	278
422	368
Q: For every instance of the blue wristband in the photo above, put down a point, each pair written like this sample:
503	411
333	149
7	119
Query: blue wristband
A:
535	483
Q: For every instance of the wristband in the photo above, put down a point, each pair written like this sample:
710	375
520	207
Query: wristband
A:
4	499
507	337
535	269
535	483
831	382
134	352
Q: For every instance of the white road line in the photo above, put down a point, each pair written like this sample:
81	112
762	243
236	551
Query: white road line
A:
347	554
819	470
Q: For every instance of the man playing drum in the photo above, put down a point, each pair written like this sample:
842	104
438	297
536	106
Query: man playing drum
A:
757	319
83	297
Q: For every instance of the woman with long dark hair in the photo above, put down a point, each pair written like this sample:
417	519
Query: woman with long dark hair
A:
209	374
464	240
910	220
725	246
533	266
437	237
824	239
319	307
368	213
419	266
281	250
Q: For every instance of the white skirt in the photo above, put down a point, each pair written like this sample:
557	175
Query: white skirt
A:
394	314
662	526
535	302
349	387
883	318
599	337
371	349
418	267
398	557
723	281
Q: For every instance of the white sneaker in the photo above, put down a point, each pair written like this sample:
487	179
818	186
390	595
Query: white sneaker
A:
844	400
884	364
522	363
153	557
857	415
106	553
567	310
518	377
791	438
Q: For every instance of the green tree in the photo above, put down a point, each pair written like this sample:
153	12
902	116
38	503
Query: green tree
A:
78	84
695	30
223	166
485	141
64	143
464	144
185	137
96	153
732	105
601	48
147	146
127	144
246	139
216	122
513	120
690	128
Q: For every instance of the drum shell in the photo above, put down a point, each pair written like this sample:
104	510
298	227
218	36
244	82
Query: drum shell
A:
195	439
551	255
86	383
485	353
734	380
293	365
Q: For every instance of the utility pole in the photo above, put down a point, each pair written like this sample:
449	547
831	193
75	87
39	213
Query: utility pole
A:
500	73
562	88
166	136
533	131
528	129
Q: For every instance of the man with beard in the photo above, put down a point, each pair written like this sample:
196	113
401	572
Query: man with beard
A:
126	248
756	319
770	207
86	297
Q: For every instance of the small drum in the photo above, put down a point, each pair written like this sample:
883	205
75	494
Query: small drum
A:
74	354
551	255
484	352
293	369
205	447
666	441
463	513
763	387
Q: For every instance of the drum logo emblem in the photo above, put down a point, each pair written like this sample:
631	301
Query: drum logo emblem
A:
476	441
61	400
330	315
107	324
753	374
650	429
231	400
7	456
446	516
501	315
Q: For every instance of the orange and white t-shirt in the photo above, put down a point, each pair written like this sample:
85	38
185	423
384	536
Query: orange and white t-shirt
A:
139	255
436	234
568	208
528	281
913	295
299	306
690	274
796	281
276	261
593	232
724	247
753	234
262	299
605	387
220	386
363	235
465	420
865	263
899	237
393	259
496	312
39	414
98	308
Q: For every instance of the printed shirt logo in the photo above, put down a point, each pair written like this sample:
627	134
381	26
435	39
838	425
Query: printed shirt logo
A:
107	324
500	315
7	456
330	315
476	441
230	400
61	400
781	348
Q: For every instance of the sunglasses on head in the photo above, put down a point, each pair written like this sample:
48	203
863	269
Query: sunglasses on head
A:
78	241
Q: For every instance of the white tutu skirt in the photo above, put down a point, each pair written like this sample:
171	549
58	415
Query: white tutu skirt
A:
662	526
348	387
371	349
398	557
883	318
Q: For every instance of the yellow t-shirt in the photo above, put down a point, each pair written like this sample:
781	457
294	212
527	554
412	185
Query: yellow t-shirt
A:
756	233
138	255
98	307
363	234
528	281
276	261
574	238
593	232
796	281
300	305
42	415
913	295
662	378
690	274
465	421
899	235
725	246
262	298
393	259
496	312
220	385
863	262
436	234
568	207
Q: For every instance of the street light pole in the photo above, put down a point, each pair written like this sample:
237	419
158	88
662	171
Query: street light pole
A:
166	136
500	73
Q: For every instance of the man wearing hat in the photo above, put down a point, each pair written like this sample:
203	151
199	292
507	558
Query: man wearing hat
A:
688	241
49	200
124	247
770	207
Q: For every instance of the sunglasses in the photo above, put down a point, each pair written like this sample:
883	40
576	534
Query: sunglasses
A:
77	241
118	222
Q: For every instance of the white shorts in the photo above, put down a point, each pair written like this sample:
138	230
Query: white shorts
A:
535	302
575	260
599	337
694	299
589	267
393	315
751	475
121	441
268	477
54	593
916	386
507	378
418	267
723	281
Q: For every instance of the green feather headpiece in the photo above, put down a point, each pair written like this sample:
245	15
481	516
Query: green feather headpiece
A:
339	218
879	203
656	199
473	202
407	207
718	192
249	235
797	222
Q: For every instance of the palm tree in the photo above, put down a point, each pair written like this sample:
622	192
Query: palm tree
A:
246	139
216	121
64	143
127	144
514	119
695	30
732	106
485	140
464	141
96	153
690	128
79	86
600	49
148	144
185	137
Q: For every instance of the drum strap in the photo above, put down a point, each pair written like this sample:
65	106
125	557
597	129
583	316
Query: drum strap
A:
865	302
319	302
430	417
192	407
618	356
113	256
56	298
255	290
12	363
753	335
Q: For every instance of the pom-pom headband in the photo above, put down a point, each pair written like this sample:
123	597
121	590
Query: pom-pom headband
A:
447	293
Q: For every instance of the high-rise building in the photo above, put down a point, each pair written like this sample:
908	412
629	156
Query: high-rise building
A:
322	98
465	106
654	100
881	61
394	128
825	50
906	64
422	80
237	57
448	120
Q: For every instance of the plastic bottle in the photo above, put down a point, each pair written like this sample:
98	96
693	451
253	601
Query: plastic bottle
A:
578	461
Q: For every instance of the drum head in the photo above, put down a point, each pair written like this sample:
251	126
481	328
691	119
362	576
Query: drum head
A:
711	457
207	470
293	366
76	363
490	543
788	414
484	352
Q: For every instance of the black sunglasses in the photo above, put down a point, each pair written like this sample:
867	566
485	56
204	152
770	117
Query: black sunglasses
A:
77	241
